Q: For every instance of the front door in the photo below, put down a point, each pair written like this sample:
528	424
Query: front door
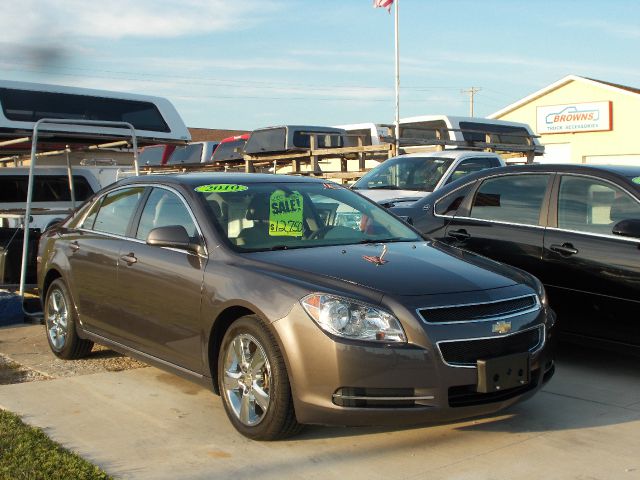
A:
164	286
505	221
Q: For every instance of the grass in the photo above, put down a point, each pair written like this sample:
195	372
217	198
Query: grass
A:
27	453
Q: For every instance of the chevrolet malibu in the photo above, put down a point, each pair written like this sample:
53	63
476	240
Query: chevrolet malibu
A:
296	300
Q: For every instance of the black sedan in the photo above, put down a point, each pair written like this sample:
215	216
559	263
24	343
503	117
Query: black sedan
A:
576	227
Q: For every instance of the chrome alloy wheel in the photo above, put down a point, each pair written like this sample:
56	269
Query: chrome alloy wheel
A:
57	319
247	379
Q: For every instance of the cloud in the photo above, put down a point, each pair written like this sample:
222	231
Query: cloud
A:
37	20
615	29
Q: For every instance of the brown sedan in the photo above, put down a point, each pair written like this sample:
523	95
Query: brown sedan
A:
298	301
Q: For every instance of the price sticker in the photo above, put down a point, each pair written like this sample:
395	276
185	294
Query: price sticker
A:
286	214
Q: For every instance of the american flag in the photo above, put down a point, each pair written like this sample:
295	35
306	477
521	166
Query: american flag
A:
383	4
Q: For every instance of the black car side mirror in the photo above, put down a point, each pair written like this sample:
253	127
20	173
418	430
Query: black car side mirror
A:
627	228
172	236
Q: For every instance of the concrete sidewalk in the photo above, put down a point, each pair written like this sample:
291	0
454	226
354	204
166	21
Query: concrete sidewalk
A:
145	423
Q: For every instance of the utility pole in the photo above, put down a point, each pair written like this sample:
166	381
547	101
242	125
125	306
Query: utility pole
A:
471	91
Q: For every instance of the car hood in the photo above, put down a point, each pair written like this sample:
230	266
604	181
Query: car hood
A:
382	195
407	268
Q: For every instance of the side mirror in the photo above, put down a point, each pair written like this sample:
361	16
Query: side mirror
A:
172	236
627	228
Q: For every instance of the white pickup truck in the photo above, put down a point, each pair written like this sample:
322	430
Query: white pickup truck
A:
410	177
51	195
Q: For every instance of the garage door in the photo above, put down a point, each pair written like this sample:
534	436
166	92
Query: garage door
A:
612	159
556	153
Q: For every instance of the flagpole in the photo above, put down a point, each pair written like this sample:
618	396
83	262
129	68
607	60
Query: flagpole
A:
397	123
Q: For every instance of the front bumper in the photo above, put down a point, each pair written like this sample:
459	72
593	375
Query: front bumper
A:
340	382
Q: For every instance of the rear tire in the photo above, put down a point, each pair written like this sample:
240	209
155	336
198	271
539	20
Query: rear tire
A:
253	381
60	323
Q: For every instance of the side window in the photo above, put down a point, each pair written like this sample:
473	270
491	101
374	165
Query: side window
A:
590	205
511	198
449	204
116	210
90	219
471	165
164	208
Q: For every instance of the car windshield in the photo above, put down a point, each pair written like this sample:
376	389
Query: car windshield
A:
406	173
280	216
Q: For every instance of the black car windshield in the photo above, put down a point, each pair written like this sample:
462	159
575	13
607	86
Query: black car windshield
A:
406	173
279	216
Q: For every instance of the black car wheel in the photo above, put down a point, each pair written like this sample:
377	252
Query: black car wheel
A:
60	321
253	382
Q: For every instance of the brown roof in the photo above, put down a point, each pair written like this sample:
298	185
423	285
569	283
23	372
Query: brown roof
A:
617	85
211	134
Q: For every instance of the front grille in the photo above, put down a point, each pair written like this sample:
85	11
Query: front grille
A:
478	311
468	352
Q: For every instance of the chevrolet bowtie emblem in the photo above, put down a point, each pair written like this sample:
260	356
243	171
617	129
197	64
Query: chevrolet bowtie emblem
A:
501	327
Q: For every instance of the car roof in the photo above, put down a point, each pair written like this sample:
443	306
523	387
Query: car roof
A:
454	119
623	170
612	172
39	171
312	128
205	178
452	153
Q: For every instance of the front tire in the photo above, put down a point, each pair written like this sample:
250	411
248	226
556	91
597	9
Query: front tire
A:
253	382
60	322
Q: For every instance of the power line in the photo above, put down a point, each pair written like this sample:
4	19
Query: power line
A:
201	80
471	91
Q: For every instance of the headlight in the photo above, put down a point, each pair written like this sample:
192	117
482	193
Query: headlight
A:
542	295
351	319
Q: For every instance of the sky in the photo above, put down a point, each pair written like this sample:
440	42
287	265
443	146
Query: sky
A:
244	64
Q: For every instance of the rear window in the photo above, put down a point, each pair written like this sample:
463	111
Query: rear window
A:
151	155
422	131
476	132
270	140
50	188
325	140
186	154
31	106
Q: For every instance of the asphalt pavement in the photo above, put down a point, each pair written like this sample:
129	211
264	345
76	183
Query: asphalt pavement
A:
147	424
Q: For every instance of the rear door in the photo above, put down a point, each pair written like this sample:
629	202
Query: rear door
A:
163	286
93	251
504	219
594	275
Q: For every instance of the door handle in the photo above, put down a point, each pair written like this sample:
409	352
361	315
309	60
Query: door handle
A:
74	246
564	249
461	234
129	259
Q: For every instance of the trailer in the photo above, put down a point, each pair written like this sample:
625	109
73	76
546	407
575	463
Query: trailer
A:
38	120
356	154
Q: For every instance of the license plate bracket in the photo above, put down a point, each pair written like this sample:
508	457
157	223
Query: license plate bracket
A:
502	373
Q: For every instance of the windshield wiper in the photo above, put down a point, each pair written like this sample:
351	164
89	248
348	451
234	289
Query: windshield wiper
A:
282	247
386	240
383	187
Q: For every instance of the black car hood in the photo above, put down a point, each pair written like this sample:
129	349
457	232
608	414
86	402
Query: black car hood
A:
407	268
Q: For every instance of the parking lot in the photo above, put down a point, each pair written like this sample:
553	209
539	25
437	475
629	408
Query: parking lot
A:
145	423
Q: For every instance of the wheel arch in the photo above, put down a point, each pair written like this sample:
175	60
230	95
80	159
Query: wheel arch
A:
51	275
220	326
